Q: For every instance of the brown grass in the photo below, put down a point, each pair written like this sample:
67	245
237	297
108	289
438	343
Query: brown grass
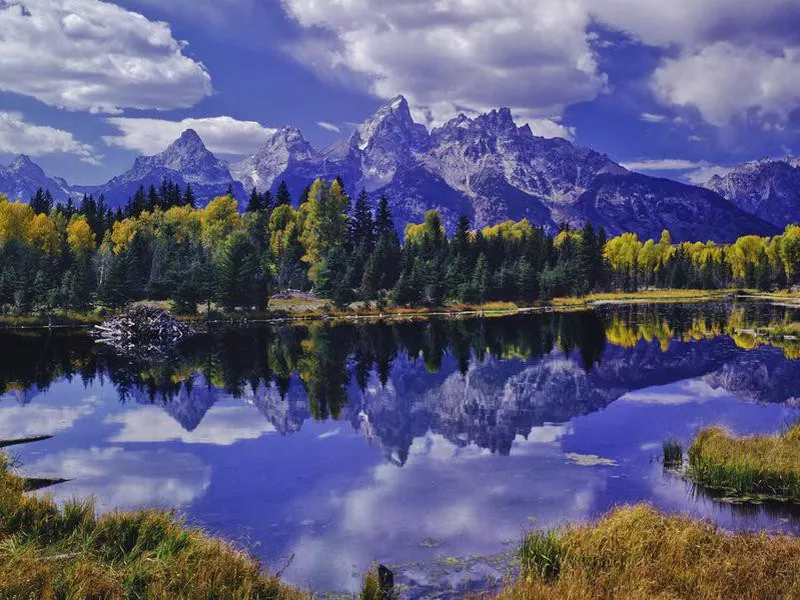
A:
755	465
636	553
50	552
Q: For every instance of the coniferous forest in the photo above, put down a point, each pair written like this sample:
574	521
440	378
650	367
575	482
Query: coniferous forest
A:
162	247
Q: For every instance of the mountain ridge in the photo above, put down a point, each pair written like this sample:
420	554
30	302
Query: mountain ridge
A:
484	166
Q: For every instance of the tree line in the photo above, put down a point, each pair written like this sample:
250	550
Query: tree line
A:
160	246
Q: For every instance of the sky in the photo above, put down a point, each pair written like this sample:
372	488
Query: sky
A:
677	88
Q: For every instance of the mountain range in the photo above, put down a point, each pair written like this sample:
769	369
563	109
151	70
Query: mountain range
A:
486	167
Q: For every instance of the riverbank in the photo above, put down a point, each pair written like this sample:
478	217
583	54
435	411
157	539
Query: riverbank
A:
757	468
640	554
304	307
69	552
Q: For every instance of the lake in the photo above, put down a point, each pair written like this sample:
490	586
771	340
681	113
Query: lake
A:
430	446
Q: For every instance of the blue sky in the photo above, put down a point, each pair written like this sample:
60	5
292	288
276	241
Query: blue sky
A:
681	88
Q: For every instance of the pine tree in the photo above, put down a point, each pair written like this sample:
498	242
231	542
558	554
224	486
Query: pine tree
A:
188	196
42	202
236	272
283	197
255	205
481	278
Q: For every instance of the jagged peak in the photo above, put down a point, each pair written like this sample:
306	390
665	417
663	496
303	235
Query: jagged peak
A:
188	139
497	119
23	162
290	139
395	112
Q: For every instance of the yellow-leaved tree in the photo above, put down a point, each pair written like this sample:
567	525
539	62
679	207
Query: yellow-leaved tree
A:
80	237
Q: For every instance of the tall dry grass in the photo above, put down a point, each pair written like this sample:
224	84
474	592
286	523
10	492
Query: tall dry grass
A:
50	552
754	465
637	553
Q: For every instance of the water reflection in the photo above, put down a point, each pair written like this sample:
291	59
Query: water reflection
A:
407	441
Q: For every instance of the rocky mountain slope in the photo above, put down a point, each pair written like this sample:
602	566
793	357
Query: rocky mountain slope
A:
486	167
185	161
21	179
769	189
491	169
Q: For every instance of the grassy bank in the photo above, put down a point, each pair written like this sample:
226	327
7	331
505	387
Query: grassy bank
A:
637	553
47	552
747	466
307	307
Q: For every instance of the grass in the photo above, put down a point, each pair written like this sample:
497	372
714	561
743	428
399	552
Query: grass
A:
672	452
748	466
49	552
637	553
663	295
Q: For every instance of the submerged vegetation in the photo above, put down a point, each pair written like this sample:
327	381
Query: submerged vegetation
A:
69	552
755	466
639	554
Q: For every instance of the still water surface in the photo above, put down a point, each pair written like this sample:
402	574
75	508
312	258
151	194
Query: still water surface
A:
422	445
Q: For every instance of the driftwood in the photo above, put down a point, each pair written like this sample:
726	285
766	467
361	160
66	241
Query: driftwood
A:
144	331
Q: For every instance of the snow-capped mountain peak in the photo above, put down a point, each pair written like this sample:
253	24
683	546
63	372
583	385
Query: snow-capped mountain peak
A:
392	121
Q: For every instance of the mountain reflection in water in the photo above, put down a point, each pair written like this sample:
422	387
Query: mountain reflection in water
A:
477	429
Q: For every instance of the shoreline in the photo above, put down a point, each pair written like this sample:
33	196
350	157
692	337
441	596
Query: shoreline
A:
491	309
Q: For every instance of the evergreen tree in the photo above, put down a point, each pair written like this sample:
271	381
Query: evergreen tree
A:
42	202
256	204
481	278
236	272
188	196
283	197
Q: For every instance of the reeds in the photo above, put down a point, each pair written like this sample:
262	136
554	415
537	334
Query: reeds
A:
637	553
672	454
748	466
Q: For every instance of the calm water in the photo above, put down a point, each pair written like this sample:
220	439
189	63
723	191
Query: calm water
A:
408	443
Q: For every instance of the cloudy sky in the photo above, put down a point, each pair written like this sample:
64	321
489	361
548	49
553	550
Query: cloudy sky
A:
680	88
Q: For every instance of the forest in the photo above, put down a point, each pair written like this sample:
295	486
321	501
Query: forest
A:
161	246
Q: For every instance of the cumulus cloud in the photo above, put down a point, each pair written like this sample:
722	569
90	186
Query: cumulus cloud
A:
41	418
725	58
329	126
550	129
724	82
223	135
534	57
20	137
95	56
124	479
221	426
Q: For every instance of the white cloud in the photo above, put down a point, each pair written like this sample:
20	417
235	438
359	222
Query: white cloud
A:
221	426
694	391
703	174
20	137
538	56
95	56
223	135
653	118
696	172
532	56
662	164
41	418
725	82
124	479
329	126
550	129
